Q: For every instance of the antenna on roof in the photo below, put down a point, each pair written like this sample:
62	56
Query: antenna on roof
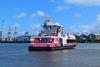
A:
48	20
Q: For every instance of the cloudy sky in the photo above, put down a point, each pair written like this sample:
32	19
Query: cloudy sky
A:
28	15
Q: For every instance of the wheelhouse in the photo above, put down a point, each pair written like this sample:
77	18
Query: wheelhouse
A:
43	40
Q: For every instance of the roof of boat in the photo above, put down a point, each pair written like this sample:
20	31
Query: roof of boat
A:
44	36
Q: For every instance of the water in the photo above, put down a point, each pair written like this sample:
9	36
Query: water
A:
17	55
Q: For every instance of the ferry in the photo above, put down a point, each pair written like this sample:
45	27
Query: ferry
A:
51	37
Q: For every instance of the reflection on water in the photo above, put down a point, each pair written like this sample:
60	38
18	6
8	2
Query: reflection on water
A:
88	46
17	55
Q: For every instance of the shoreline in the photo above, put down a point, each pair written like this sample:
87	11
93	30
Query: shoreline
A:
77	41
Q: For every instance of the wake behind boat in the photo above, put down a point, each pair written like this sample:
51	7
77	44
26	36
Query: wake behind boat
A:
51	37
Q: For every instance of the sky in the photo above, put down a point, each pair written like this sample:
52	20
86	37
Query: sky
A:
76	16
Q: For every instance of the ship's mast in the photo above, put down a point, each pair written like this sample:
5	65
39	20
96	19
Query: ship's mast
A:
9	32
15	32
2	29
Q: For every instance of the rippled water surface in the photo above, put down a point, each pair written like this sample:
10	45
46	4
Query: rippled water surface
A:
17	55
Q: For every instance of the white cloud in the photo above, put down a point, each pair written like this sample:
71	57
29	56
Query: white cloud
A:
21	15
17	9
62	7
98	17
94	27
65	4
57	23
34	15
84	2
52	1
81	29
38	14
91	28
73	29
86	28
36	26
77	15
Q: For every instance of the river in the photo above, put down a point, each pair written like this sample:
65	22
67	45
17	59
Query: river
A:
17	55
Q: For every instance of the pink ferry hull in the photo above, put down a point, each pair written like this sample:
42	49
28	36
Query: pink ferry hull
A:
51	46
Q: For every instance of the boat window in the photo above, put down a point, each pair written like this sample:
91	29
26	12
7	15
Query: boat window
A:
51	30
43	40
71	41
